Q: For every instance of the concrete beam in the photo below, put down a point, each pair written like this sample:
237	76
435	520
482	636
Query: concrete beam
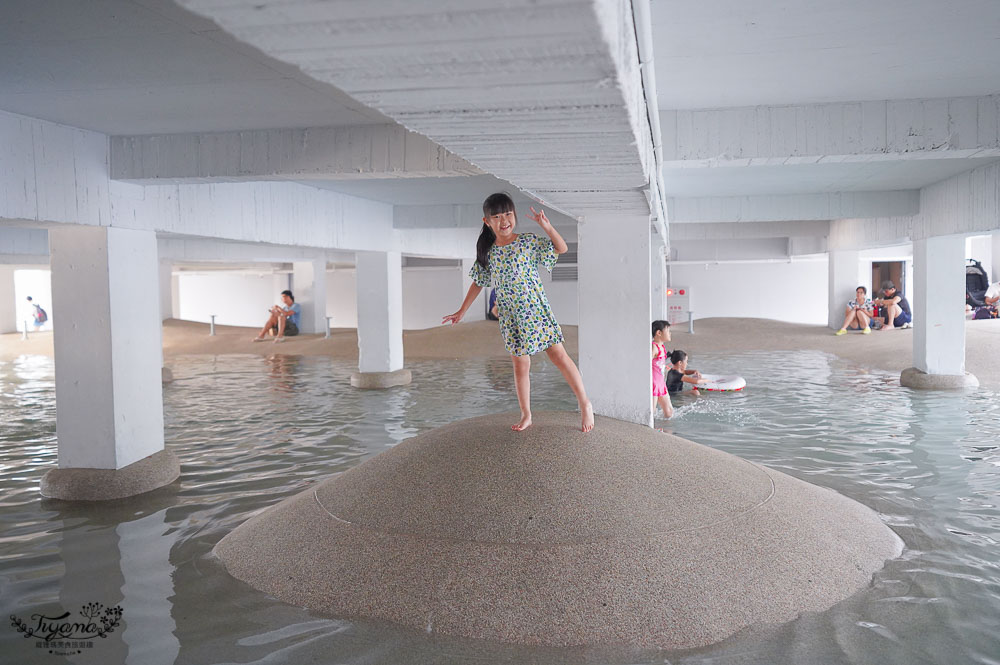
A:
748	230
207	251
457	216
793	207
965	204
849	234
326	153
23	245
961	127
59	175
555	107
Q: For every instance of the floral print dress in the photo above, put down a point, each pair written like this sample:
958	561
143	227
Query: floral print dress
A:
526	320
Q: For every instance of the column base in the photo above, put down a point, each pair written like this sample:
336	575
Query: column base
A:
912	377
379	380
149	473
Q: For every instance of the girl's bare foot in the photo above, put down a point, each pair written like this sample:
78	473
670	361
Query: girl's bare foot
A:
524	424
588	417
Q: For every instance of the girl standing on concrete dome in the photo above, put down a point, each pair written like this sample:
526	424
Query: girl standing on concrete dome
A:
509	261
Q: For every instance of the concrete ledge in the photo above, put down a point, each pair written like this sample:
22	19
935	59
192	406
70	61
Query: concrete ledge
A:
377	380
912	377
623	536
147	474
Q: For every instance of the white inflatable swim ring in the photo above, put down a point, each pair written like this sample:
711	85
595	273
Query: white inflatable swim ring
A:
722	384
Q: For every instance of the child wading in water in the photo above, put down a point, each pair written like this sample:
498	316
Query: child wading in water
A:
680	374
661	334
509	261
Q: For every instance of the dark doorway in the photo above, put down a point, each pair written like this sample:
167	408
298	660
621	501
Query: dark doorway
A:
882	270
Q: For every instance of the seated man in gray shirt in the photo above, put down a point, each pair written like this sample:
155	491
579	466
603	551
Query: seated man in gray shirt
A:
893	307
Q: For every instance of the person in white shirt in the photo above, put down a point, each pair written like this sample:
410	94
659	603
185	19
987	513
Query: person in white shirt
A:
992	294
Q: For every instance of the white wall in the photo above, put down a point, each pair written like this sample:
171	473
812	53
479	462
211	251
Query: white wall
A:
236	298
429	294
342	298
756	290
564	298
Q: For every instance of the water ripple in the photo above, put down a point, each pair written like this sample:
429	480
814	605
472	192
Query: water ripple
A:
251	431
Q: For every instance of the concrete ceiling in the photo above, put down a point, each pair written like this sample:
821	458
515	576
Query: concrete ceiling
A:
723	53
805	178
150	67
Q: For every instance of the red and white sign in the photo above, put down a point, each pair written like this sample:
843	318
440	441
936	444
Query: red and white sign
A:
678	304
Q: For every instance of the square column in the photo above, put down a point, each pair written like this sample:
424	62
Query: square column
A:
477	310
845	277
108	353
309	287
166	290
995	258
938	302
380	321
614	287
658	281
8	303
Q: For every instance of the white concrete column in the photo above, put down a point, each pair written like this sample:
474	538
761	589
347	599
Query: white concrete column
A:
938	302
477	311
380	321
108	353
995	258
166	290
309	287
175	296
614	287
844	265
658	281
8	304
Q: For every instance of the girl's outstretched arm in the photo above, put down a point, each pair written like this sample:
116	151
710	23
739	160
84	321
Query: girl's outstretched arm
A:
473	293
557	240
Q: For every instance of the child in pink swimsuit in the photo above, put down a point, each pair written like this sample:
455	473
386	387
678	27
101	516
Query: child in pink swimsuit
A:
661	334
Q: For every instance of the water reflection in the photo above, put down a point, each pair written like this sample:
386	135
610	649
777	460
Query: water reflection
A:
251	431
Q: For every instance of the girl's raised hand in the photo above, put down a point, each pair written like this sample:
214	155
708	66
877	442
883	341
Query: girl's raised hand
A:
539	216
452	318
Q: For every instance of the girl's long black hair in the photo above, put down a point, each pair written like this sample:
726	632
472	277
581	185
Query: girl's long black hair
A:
494	204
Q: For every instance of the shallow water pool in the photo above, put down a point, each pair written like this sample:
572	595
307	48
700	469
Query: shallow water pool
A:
253	430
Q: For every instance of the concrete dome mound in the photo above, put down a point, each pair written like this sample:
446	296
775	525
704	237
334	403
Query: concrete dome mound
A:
623	536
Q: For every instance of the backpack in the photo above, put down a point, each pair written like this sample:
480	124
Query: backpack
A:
985	312
40	315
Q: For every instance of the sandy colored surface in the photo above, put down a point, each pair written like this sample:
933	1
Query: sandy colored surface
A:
621	536
891	350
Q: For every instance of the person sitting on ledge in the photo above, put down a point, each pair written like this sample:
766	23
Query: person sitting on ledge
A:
859	313
896	308
284	320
